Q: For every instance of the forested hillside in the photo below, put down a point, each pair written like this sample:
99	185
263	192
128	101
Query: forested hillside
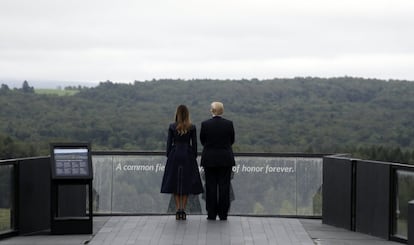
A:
371	117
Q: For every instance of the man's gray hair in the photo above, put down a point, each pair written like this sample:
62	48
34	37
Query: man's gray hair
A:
217	108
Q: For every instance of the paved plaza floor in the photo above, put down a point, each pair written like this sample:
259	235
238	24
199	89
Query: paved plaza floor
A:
196	230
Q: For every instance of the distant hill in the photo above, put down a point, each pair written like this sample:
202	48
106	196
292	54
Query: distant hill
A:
278	115
49	84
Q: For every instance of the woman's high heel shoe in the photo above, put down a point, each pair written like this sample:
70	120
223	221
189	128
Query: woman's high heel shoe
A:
178	215
183	215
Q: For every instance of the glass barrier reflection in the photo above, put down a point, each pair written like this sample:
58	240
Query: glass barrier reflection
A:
6	197
404	194
262	185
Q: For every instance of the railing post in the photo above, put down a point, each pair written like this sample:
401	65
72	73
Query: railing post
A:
410	223
338	194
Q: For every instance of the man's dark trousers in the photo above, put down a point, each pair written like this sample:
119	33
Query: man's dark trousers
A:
217	191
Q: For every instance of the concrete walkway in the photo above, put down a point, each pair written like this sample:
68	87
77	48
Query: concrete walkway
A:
196	230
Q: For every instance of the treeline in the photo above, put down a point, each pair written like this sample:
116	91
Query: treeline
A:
10	148
381	153
26	88
365	117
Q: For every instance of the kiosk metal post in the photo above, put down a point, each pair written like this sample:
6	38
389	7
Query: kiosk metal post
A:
71	188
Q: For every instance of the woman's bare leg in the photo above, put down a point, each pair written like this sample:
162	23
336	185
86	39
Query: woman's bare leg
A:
177	199
184	199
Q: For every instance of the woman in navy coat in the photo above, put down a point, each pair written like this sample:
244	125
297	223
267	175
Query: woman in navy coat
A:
181	176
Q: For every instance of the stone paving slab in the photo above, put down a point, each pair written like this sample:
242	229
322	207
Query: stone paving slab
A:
196	230
328	235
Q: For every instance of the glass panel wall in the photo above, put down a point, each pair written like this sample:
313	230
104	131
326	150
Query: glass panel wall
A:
102	183
264	186
6	198
309	187
137	184
261	185
404	191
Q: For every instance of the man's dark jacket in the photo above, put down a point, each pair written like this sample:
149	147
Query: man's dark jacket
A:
217	137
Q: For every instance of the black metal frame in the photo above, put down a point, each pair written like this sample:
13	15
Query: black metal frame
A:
391	193
237	154
72	146
353	195
70	225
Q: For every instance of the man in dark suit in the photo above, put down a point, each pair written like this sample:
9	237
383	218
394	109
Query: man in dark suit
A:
217	159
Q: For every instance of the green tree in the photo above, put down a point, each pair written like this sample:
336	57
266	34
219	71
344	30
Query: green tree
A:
26	87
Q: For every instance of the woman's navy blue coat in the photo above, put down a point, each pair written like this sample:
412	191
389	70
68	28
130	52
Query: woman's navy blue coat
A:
181	174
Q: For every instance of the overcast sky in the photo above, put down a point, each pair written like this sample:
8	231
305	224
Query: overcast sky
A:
127	40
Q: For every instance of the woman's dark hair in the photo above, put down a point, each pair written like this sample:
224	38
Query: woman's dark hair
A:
182	118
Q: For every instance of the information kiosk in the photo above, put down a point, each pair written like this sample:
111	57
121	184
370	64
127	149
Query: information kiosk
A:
71	188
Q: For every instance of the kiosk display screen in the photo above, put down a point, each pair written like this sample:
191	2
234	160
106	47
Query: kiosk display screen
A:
71	162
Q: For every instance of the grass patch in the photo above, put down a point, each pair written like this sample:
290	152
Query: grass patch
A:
4	219
59	92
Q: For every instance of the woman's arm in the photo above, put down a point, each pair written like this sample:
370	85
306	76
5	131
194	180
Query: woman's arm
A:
194	141
169	141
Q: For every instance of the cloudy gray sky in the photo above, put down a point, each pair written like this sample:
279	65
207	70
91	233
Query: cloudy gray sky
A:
127	40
